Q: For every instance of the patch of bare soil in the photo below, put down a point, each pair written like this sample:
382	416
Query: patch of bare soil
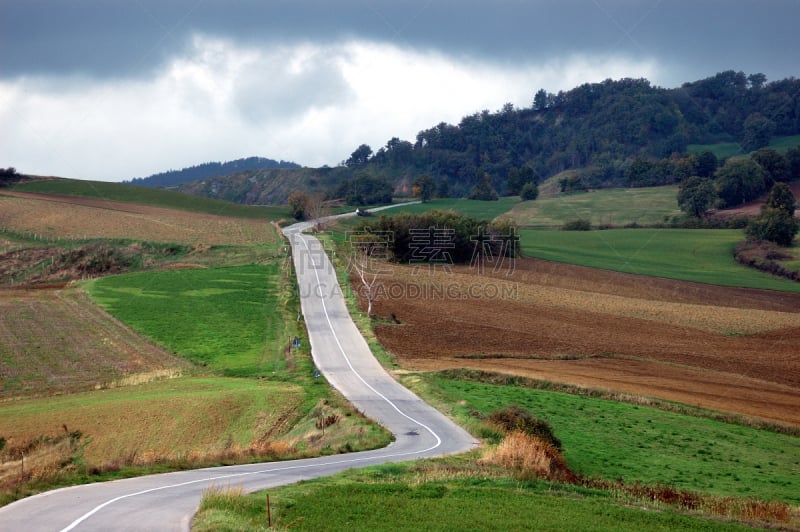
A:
735	350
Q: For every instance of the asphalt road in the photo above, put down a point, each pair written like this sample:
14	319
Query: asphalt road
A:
168	501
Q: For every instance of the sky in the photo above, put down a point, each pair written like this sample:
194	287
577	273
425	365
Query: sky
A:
115	89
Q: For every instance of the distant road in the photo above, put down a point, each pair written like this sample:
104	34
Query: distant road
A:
168	501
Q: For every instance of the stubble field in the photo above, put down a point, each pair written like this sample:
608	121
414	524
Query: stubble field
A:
727	349
66	217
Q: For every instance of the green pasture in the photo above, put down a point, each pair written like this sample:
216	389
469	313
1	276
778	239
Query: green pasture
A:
228	319
614	440
480	210
701	255
393	498
614	207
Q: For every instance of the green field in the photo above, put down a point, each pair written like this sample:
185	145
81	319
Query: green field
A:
701	255
481	210
615	207
226	318
394	497
152	196
613	440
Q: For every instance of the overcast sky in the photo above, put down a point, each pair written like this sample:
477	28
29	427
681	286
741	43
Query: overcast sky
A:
116	89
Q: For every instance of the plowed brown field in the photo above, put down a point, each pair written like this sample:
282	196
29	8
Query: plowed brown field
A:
69	217
735	350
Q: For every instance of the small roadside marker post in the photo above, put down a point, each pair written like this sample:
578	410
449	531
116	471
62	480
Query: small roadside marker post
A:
269	513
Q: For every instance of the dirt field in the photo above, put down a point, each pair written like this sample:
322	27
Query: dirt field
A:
68	217
55	341
735	350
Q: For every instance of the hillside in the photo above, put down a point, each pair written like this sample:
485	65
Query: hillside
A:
624	133
172	178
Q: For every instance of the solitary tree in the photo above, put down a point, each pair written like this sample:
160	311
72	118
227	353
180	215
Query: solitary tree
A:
739	181
529	192
696	195
299	204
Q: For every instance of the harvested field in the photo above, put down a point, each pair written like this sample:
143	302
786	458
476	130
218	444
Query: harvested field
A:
67	217
55	340
729	349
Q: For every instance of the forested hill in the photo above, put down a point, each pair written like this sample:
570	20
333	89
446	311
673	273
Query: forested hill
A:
600	126
173	178
614	133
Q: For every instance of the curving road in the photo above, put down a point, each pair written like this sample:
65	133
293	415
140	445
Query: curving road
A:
168	501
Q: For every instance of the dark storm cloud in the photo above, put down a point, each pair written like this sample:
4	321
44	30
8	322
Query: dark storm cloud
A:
126	39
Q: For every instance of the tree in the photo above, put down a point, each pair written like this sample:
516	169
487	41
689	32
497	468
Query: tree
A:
529	192
696	195
483	190
781	197
757	131
423	188
360	156
776	222
739	181
706	164
365	189
540	100
518	178
773	225
793	160
776	167
299	203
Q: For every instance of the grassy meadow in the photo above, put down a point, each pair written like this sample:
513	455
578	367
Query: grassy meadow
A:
699	255
222	318
613	440
409	497
481	210
614	207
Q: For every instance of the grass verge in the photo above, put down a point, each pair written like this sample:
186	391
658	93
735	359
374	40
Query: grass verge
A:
445	494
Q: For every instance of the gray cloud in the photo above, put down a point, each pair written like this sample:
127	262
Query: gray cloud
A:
130	39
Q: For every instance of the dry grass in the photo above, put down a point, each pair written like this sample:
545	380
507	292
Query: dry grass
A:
56	341
529	457
52	217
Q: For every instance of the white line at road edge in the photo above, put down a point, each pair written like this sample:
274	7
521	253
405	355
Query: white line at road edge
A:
90	513
356	373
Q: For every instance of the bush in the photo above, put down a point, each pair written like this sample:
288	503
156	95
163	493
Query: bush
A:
529	192
516	419
773	225
577	225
